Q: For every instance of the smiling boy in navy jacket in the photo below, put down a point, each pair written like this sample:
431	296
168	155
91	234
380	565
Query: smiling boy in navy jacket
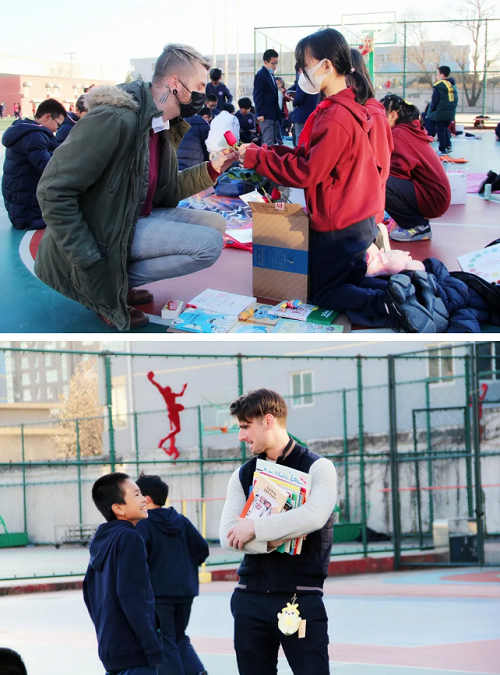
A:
117	587
174	548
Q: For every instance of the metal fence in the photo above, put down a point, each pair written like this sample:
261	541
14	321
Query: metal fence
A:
410	435
469	46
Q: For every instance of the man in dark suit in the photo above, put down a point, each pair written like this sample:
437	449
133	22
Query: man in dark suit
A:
265	96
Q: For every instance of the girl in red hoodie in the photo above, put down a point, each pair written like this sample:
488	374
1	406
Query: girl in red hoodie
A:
418	187
380	134
335	166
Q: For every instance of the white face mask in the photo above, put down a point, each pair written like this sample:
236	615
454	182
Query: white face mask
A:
317	80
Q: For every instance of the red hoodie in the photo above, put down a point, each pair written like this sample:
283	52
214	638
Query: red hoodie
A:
414	159
380	136
338	173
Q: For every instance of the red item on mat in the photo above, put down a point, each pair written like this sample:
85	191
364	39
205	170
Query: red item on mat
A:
229	242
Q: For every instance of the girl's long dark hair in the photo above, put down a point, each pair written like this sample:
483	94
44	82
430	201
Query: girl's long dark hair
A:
329	44
358	63
407	112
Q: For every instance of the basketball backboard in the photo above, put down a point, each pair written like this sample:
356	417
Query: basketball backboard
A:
381	27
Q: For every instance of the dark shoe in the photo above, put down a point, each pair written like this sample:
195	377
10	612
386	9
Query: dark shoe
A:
137	319
495	186
490	179
139	297
427	295
404	309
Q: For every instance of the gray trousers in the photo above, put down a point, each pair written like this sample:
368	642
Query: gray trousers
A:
269	129
174	242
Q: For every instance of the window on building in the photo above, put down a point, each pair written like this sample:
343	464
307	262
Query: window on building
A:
48	359
119	401
302	386
51	376
488	361
26	379
26	395
25	364
441	368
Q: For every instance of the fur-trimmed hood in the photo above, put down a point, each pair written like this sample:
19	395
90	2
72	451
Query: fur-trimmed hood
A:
107	94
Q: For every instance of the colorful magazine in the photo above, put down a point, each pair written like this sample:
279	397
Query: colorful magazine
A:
265	499
308	313
484	263
199	321
289	326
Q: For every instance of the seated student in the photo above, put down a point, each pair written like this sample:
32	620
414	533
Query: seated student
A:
71	119
206	113
246	118
212	104
218	89
335	166
417	188
175	549
11	662
30	144
380	134
192	149
117	587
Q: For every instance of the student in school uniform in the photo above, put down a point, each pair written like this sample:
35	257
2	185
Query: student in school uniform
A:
417	188
335	165
380	134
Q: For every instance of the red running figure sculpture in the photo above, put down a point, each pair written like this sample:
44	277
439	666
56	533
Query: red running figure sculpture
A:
173	410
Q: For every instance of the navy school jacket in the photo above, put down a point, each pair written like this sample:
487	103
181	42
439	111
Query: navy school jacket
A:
118	594
221	91
29	149
247	126
63	132
174	549
265	95
192	149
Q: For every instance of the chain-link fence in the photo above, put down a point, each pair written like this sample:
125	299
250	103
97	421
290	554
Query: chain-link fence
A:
469	46
410	435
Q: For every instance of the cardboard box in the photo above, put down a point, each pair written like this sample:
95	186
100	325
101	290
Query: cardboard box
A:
280	251
458	184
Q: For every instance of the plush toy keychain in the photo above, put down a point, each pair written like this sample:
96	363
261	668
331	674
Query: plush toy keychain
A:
289	618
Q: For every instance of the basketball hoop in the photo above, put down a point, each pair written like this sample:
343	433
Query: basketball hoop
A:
367	46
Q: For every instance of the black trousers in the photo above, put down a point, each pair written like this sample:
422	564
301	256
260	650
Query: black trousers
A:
444	135
401	203
257	637
181	658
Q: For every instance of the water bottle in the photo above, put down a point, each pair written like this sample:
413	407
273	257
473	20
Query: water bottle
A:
487	191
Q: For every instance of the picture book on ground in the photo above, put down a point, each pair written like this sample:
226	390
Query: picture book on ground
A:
291	326
485	263
220	302
304	312
199	321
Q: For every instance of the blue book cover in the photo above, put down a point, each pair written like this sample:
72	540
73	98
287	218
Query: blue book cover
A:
198	321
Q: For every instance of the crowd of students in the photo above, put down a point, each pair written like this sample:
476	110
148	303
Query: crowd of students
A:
359	161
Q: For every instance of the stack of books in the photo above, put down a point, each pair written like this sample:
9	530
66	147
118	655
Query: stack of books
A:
277	488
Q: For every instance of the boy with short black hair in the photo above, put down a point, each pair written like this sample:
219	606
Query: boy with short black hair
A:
117	587
246	118
11	662
212	104
174	549
218	89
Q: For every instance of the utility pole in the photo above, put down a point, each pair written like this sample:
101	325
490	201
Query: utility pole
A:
71	55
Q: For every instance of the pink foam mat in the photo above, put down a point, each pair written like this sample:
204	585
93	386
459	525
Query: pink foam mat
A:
474	181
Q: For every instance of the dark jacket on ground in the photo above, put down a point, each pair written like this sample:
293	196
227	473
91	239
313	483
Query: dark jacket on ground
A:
118	594
192	149
265	95
174	549
282	573
69	122
414	159
338	172
221	91
93	190
29	150
444	101
248	128
303	105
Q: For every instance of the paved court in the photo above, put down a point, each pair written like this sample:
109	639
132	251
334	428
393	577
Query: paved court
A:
410	623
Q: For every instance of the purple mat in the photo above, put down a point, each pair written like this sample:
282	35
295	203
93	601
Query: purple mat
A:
474	180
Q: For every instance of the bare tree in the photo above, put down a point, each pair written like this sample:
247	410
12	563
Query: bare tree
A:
420	51
474	15
82	403
128	77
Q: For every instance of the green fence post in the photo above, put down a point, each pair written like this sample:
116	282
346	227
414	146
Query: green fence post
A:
467	434
200	447
109	405
476	438
347	508
393	449
417	481
430	480
362	454
404	61
136	441
79	470
23	456
240	392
